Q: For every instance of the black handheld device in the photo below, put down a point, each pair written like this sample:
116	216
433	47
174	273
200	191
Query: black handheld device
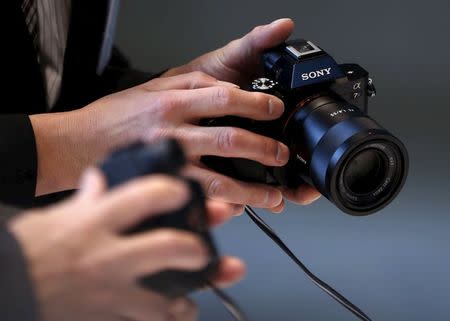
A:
165	157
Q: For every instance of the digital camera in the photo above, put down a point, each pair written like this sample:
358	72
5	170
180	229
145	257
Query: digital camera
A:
334	145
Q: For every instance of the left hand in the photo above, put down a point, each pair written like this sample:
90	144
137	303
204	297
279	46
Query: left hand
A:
239	62
83	267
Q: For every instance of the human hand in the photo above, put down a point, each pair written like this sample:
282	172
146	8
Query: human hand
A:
239	62
165	107
82	266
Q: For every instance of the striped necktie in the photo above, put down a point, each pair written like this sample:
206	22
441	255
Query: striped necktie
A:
30	11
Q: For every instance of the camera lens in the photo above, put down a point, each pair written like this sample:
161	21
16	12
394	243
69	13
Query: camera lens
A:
346	155
365	172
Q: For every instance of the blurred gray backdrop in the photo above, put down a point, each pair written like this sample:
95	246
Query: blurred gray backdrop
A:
396	264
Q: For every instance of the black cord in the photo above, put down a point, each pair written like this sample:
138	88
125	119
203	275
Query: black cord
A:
232	307
321	284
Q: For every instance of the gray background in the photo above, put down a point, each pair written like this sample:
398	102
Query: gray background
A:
396	264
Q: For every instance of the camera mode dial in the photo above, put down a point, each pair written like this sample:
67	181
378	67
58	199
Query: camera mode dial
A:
263	84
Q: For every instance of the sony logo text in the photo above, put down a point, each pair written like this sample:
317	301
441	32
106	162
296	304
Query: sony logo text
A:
316	74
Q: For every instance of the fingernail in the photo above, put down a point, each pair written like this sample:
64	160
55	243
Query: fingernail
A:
282	153
315	198
309	201
228	84
273	198
279	20
276	107
238	209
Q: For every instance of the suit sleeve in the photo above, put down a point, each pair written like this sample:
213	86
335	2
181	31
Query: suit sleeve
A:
17	300
120	75
18	160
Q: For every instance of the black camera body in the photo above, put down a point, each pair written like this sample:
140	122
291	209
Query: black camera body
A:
165	157
335	146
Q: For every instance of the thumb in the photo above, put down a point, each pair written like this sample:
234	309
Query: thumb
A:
249	48
268	36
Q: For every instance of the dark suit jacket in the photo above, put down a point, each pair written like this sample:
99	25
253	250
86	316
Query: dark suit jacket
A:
22	90
17	299
22	94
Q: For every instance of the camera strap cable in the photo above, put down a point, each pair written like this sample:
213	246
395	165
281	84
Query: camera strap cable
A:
321	284
233	308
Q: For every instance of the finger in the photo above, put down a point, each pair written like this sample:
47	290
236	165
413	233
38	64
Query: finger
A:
138	304
161	249
303	195
232	142
238	209
249	48
222	101
141	198
231	270
218	212
279	208
233	210
226	189
183	309
192	80
92	184
267	36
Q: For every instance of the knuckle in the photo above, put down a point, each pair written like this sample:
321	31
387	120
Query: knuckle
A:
222	96
227	139
175	239
88	269
169	240
234	43
215	187
164	183
201	77
167	105
257	29
174	243
153	134
269	148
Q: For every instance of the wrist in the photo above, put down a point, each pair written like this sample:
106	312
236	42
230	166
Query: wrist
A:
54	150
64	148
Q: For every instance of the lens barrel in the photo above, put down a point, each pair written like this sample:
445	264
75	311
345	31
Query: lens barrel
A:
357	164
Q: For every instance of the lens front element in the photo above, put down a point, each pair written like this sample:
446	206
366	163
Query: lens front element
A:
365	172
369	176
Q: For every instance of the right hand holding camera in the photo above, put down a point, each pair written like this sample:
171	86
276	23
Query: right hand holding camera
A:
164	107
83	268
